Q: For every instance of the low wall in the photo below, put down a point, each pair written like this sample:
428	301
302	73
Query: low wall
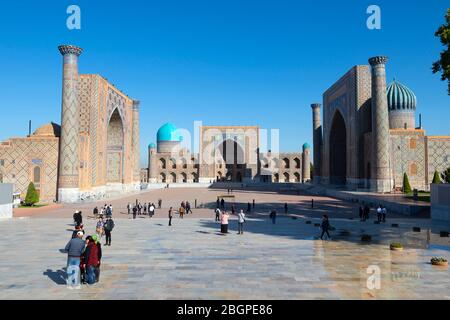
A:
440	202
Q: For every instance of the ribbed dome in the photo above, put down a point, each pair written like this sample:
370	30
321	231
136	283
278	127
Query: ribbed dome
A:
48	130
168	132
152	146
400	97
306	146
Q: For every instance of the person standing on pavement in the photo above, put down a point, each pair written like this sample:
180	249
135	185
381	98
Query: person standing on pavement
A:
74	249
224	222
241	220
151	210
188	207
129	208
99	255
170	216
91	261
325	227
109	226
285	208
181	212
273	216
217	214
134	212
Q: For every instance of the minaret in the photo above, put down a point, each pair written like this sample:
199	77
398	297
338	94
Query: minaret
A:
306	163
381	180
152	163
68	180
317	142
135	142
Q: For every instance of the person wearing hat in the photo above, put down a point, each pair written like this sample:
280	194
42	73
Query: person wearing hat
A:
91	259
99	256
77	218
74	249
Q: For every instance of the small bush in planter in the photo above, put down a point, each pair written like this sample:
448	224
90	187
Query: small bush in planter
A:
439	261
396	246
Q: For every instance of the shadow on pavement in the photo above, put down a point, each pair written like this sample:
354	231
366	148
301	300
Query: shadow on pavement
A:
58	276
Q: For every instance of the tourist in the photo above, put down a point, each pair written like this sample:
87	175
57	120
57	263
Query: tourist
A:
151	210
188	208
379	213
224	222
159	203
110	210
217	214
91	261
77	218
383	213
82	263
109	226
222	204
99	229
99	256
77	228
134	212
139	209
233	209
74	249
249	207
181	212
285	208
95	212
145	209
253	204
241	220
218	203
325	227
129	208
273	216
361	213
170	216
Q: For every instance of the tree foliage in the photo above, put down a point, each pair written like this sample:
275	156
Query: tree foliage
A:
406	184
443	64
32	196
437	178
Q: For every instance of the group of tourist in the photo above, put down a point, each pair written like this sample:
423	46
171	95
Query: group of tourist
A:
143	209
185	208
104	227
106	210
364	212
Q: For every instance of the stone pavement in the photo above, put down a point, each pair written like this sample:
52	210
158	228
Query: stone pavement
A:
191	260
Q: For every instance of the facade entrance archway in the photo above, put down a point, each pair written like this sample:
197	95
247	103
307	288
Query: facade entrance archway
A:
115	149
338	150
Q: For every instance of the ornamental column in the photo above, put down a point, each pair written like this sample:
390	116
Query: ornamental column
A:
68	175
306	163
135	142
381	180
317	142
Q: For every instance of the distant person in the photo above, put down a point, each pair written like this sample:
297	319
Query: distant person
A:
366	212
109	226
129	208
151	210
233	209
91	261
217	214
159	203
224	222
361	213
273	216
170	216
241	220
145	209
325	227
99	228
99	256
134	212
253	204
218	203
383	213
74	249
379	213
75	232
285	208
95	212
188	208
249	207
181	212
222	204
77	218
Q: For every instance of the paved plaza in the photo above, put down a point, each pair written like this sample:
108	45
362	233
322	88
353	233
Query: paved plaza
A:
192	260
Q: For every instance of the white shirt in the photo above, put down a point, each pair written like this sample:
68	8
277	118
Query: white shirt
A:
152	208
241	216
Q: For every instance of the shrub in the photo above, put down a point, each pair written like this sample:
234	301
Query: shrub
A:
438	259
396	245
437	178
406	184
32	196
446	175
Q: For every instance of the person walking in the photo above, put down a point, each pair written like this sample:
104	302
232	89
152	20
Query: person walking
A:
188	208
222	204
109	226
170	216
285	208
361	213
218	203
217	214
224	222
99	228
273	216
151	210
254	204
379	213
77	218
181	212
129	208
241	220
159	203
383	213
134	212
325	227
249	207
145	208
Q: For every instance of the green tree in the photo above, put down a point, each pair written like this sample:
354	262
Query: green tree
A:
406	185
446	175
32	196
443	64
437	178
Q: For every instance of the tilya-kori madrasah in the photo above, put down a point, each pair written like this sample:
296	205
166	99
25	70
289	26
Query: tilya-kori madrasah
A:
369	139
93	152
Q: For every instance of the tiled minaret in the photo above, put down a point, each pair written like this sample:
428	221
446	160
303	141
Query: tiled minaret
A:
381	180
68	179
317	141
306	162
135	142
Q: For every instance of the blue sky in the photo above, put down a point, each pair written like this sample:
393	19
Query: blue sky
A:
231	62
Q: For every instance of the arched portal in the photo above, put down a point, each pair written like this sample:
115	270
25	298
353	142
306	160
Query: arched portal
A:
115	141
233	156
173	177
183	177
162	177
297	177
286	177
297	163
276	178
194	177
338	150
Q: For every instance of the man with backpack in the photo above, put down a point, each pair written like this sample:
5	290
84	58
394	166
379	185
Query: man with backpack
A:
109	226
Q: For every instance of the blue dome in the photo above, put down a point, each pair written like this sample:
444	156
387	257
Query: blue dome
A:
306	146
400	97
168	132
152	146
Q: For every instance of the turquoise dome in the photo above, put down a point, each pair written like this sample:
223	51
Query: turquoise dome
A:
152	146
168	132
306	146
400	97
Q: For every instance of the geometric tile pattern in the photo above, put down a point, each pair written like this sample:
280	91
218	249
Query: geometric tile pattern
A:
438	155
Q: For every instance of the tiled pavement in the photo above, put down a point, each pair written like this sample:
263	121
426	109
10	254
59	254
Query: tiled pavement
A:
191	260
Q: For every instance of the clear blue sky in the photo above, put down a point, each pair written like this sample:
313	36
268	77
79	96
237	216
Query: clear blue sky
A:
223	62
